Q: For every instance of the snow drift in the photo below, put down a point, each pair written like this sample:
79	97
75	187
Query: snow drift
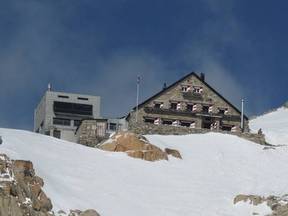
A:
274	125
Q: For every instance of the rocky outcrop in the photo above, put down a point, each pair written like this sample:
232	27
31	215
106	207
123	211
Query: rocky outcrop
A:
136	146
21	191
278	205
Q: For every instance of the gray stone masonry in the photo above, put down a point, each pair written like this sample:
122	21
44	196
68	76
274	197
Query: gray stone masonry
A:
146	128
231	118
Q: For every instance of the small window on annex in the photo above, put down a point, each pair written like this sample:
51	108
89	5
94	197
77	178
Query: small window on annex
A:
61	121
77	123
112	126
57	134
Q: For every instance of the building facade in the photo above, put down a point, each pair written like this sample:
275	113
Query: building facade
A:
59	114
189	104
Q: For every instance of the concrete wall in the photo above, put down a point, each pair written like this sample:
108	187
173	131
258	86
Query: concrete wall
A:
44	112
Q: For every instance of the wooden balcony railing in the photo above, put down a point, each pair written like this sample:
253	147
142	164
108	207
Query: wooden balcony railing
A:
188	113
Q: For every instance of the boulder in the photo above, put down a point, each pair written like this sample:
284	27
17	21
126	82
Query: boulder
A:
134	145
173	152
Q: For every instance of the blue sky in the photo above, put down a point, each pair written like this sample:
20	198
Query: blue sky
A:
99	48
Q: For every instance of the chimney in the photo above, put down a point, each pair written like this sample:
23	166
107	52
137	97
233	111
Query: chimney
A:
202	76
164	86
49	87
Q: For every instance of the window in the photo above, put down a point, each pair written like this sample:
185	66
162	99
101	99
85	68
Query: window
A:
61	121
57	134
73	108
149	120
77	123
185	123
223	111
173	106
167	122
185	88
189	107
113	126
158	105
197	89
82	98
205	109
63	96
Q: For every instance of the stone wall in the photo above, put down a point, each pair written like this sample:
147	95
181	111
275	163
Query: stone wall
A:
147	128
87	133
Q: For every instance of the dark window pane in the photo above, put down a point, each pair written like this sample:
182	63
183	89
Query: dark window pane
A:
112	126
73	108
149	120
167	122
82	98
57	134
77	123
63	96
189	107
174	106
61	121
157	105
205	109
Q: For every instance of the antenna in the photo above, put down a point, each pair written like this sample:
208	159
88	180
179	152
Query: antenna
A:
242	115
137	97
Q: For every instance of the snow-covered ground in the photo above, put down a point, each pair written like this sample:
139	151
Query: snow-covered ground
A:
274	125
215	168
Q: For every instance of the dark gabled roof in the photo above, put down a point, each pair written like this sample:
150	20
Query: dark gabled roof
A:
179	81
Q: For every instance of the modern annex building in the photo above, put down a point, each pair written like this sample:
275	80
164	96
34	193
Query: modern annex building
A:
59	114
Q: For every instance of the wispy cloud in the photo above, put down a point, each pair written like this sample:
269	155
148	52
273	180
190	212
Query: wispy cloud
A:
207	53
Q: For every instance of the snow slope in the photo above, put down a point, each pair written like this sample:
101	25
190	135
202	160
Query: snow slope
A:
215	168
274	125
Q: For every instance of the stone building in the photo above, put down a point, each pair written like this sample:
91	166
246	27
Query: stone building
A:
186	106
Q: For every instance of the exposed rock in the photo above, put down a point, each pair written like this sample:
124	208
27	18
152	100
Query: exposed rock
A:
253	199
21	191
278	205
135	146
173	152
89	212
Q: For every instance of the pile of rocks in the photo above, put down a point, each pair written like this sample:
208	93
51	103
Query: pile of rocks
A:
278	205
137	146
